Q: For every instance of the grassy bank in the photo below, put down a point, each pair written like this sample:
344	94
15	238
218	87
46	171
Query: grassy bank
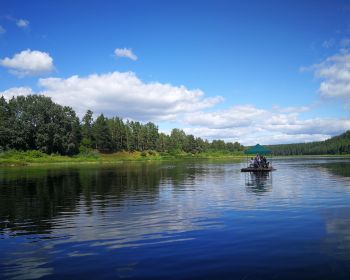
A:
20	158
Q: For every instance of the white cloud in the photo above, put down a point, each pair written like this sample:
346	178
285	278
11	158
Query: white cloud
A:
125	95
247	135
28	63
125	53
250	125
335	75
291	109
22	23
237	116
283	138
13	92
2	30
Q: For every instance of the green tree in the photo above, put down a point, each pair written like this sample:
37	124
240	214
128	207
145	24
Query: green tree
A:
119	135
86	130
5	131
191	145
163	142
102	134
218	145
36	122
152	136
177	140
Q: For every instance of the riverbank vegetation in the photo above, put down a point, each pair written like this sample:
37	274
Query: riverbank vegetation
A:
32	157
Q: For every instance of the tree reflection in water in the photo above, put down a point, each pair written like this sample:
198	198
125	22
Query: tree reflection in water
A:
31	197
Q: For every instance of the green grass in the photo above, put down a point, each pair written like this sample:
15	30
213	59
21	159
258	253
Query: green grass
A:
37	158
23	158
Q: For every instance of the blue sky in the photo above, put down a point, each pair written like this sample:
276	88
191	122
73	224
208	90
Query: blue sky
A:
247	71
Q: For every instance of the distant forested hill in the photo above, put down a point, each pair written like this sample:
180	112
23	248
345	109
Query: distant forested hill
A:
335	145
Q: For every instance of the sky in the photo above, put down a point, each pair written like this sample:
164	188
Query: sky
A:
267	72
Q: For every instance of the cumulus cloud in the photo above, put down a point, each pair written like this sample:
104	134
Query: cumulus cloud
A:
22	23
125	53
2	30
335	75
125	95
14	92
28	63
249	136
250	125
237	116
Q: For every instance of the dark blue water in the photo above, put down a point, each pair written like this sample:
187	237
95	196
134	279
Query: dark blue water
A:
185	220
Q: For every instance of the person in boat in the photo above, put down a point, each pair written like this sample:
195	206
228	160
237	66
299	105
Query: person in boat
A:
260	161
265	162
257	161
251	163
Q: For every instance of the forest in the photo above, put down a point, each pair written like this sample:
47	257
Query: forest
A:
35	122
337	145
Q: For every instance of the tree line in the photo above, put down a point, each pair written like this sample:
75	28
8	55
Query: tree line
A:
35	122
334	146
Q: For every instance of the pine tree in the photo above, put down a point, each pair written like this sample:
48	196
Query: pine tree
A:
102	134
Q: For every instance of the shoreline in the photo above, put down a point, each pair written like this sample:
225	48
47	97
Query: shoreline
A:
35	158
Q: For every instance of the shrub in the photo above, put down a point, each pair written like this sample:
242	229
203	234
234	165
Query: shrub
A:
34	154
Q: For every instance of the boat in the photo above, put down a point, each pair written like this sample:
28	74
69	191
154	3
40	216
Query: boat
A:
258	169
258	150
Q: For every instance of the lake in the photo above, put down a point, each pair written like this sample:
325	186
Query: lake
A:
177	220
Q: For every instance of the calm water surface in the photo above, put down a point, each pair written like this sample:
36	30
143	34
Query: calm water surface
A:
185	220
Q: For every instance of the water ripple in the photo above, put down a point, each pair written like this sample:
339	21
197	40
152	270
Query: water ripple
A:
199	220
